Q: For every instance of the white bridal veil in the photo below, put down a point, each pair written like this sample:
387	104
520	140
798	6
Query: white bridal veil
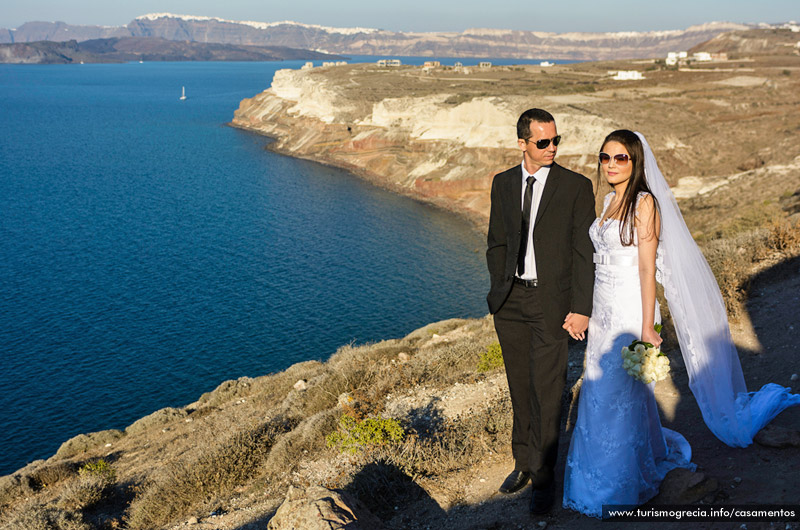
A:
698	311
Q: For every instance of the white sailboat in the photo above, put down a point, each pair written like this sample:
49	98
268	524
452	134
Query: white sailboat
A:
183	93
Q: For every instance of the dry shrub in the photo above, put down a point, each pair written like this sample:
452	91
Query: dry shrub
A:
457	444
53	474
363	371
213	472
731	261
783	236
84	492
302	442
443	364
734	260
14	488
34	516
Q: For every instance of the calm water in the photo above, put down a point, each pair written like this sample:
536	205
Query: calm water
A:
149	252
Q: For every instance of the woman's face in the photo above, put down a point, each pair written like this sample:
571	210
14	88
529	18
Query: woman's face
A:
617	169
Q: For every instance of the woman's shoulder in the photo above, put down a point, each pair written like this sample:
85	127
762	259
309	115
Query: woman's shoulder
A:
644	198
645	206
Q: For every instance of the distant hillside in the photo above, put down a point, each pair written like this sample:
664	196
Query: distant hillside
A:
125	49
368	41
767	41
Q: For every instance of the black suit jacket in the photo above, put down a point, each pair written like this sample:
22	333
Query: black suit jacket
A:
560	240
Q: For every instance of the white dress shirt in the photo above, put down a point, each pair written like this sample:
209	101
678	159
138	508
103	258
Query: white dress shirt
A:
538	187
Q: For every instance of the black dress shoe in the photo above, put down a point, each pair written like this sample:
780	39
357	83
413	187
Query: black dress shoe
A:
515	481
542	500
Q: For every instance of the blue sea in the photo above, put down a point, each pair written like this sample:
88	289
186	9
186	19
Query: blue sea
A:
149	252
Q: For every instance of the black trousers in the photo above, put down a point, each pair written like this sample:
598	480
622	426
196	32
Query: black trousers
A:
536	368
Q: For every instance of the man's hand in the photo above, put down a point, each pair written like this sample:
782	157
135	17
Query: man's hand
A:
576	325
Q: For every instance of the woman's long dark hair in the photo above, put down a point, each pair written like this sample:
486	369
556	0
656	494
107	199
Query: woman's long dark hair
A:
637	183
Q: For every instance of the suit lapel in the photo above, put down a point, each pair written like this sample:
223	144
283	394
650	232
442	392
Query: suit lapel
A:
548	192
515	198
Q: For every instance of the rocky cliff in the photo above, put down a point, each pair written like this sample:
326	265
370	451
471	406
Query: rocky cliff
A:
441	134
440	146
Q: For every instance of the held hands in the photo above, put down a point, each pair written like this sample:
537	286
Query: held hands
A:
576	325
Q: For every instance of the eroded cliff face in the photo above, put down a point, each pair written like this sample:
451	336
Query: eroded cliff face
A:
724	133
441	147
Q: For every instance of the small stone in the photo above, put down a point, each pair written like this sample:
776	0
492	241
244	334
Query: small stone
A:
737	480
482	480
403	356
794	377
192	520
300	385
108	445
542	524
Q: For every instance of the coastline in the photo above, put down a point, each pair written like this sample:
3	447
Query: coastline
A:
476	221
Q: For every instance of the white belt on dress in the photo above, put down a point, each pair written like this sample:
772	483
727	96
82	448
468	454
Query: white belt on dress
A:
611	259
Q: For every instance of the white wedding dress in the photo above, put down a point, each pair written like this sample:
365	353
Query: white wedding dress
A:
619	452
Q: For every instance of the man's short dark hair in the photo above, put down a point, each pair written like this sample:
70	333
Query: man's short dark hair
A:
531	115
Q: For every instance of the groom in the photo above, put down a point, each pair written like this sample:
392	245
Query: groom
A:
540	262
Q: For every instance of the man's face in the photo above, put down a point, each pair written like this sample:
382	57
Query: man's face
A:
535	157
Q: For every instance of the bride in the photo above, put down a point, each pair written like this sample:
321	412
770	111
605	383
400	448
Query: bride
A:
619	452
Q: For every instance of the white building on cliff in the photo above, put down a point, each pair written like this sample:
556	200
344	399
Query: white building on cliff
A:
628	75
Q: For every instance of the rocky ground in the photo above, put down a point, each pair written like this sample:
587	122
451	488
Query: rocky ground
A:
249	455
764	473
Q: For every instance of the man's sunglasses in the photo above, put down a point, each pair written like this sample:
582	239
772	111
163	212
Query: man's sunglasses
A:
545	142
620	159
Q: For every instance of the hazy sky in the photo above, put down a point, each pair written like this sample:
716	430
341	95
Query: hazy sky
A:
421	15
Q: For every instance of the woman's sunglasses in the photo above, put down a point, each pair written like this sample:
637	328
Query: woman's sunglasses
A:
621	160
544	142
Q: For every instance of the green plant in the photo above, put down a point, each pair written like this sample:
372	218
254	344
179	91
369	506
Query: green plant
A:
99	468
490	359
354	435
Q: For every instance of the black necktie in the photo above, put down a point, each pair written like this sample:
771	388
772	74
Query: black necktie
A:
526	223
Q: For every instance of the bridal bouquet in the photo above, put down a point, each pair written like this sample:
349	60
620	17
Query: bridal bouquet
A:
645	362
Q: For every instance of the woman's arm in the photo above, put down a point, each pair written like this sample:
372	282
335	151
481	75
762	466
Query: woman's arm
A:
648	227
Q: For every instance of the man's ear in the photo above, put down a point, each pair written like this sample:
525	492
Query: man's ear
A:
521	143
